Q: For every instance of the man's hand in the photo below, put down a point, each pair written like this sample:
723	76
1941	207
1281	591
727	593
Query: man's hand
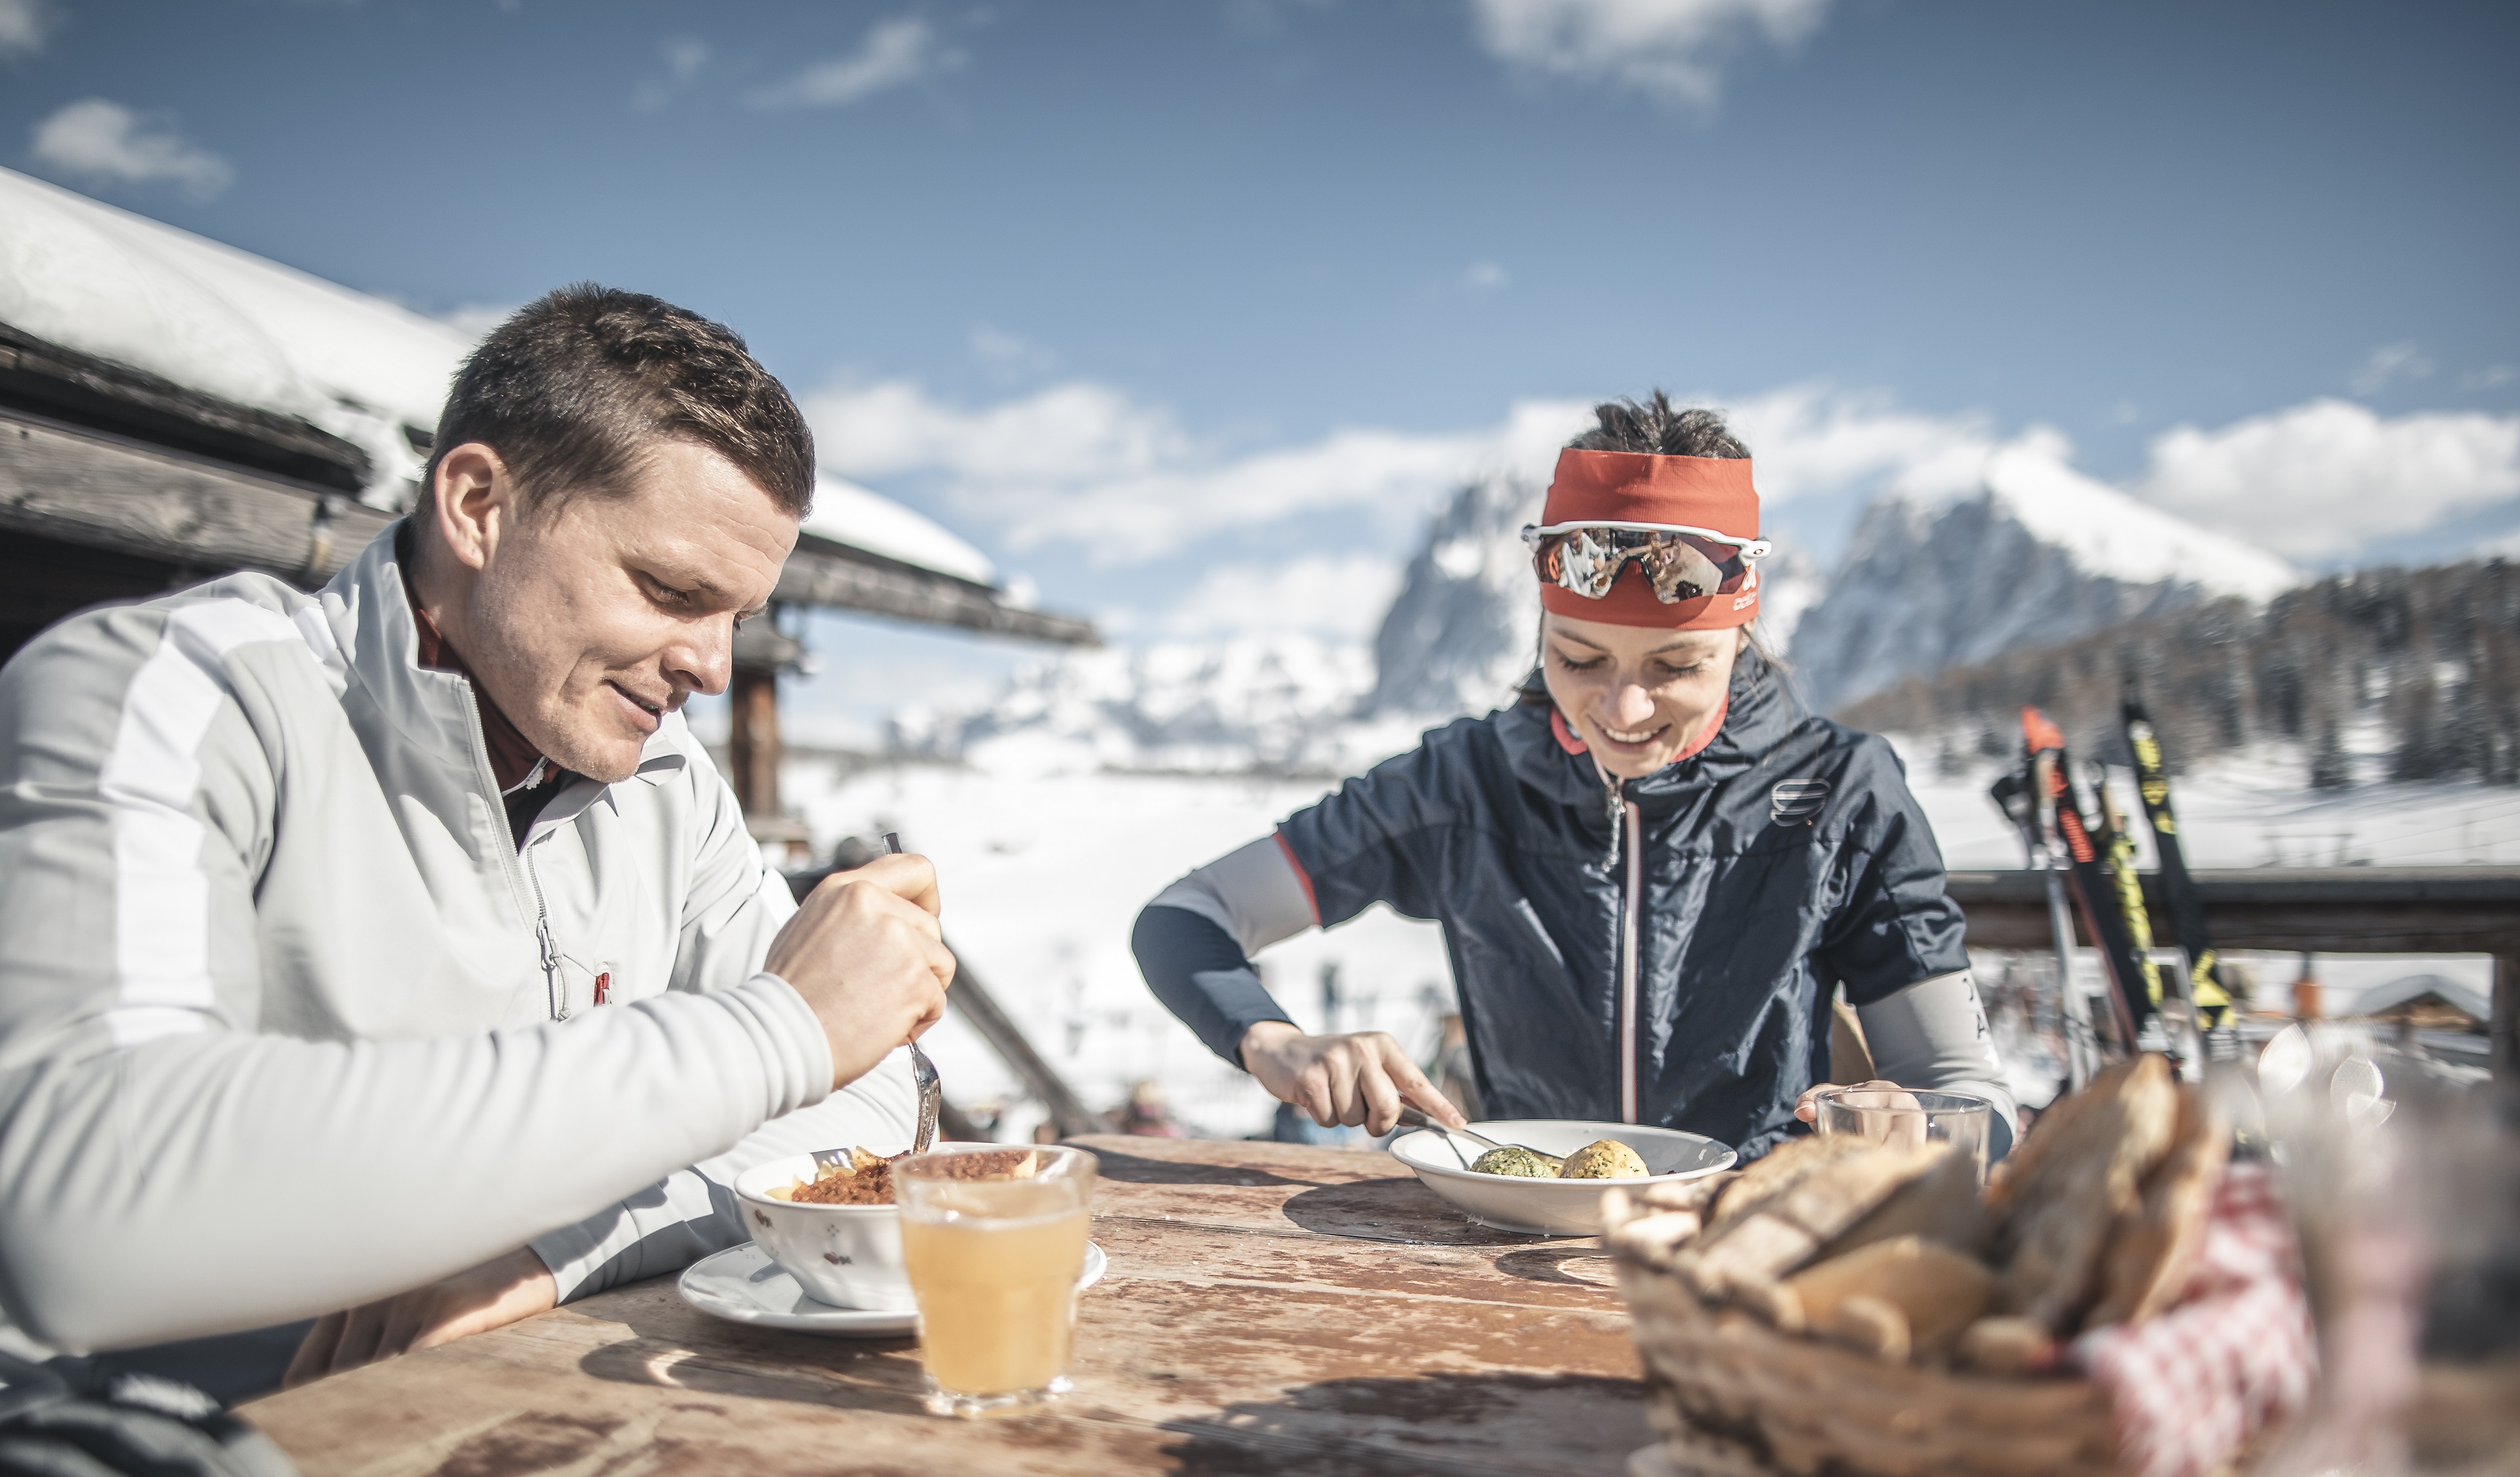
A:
492	1295
1359	1079
866	951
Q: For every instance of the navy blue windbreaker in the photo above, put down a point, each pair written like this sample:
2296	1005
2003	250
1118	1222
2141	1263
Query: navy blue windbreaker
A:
1784	858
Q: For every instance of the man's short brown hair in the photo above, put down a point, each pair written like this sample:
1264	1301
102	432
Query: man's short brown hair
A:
572	390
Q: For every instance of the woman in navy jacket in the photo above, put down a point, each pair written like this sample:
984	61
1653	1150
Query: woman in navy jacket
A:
1653	871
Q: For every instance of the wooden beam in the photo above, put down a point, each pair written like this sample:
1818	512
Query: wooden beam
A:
2336	909
102	491
824	572
81	389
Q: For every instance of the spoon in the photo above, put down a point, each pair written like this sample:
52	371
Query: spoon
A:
931	1088
1417	1119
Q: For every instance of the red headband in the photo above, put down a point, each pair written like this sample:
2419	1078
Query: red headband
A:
1631	487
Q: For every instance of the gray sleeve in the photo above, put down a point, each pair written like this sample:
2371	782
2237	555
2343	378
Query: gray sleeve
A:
686	1215
1251	892
1933	1035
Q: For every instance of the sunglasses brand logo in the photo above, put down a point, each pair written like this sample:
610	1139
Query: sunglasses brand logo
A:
1797	801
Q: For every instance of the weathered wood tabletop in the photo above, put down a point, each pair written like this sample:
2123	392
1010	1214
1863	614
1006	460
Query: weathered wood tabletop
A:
1270	1308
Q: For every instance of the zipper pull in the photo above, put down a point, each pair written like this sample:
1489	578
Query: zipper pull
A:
550	970
1614	794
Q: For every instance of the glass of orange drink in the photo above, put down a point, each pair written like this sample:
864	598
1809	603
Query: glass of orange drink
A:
994	1241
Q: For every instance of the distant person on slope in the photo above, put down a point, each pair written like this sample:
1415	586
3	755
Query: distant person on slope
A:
1653	870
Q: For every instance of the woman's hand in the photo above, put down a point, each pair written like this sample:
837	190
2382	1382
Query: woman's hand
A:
1890	1127
1358	1079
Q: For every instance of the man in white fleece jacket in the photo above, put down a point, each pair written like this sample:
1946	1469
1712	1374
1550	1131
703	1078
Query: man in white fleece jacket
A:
392	956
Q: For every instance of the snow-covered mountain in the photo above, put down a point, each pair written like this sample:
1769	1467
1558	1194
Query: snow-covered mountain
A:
1459	635
2041	553
1269	703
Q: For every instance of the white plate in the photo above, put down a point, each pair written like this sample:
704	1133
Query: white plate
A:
1552	1207
743	1285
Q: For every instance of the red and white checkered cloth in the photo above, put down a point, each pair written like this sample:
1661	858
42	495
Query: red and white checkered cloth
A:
2234	1356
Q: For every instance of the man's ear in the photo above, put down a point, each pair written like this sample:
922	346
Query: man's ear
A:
473	500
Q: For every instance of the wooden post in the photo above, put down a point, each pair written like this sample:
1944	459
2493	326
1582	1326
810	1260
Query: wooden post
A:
2506	1018
753	740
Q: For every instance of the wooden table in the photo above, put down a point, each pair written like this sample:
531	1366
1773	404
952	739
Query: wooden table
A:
1270	1308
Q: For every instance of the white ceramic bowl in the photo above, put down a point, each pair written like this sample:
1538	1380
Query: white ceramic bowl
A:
848	1256
1553	1207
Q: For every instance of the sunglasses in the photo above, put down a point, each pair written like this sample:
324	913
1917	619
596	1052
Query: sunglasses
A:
1681	563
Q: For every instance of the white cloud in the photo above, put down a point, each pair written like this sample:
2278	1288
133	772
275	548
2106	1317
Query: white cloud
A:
25	25
2388	362
1486	276
98	140
895	54
1085	464
1088	466
1671	48
1340	596
684	57
2323	480
1010	356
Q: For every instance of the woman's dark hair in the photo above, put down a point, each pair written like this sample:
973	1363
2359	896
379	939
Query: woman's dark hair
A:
1656	428
575	389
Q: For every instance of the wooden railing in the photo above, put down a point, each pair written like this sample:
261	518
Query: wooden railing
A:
2335	909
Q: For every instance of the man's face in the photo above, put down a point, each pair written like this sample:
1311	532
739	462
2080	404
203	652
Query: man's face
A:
1635	696
595	615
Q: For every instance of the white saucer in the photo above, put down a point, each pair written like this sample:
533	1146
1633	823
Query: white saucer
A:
743	1285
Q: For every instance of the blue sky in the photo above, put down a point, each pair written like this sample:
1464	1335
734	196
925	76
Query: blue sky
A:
1023	254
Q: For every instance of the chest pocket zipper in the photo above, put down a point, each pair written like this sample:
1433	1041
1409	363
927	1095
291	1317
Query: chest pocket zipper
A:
552	987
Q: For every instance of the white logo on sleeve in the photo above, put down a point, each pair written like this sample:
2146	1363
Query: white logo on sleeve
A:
1797	800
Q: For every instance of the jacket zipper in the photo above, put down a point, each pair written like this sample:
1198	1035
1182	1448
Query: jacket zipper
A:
516	862
1630	916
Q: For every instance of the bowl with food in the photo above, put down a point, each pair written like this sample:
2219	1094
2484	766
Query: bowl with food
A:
832	1227
1548	1177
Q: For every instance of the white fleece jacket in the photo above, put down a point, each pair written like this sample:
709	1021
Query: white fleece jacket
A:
287	1021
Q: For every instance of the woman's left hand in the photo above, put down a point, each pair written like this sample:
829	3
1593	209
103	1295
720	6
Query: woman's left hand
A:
1808	1111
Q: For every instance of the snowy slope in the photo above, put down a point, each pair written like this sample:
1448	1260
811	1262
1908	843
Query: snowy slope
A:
1045	875
2040	553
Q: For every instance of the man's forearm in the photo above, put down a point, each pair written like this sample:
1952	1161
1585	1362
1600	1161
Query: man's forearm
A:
213	1182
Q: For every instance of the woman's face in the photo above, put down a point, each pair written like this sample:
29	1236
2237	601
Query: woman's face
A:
1635	696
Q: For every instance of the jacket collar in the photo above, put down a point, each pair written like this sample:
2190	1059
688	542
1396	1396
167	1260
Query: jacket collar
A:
1759	711
370	610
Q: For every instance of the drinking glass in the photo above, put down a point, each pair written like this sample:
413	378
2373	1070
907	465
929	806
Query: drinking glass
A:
994	1241
1908	1116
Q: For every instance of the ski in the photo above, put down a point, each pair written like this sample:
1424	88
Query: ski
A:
2092	890
2117	852
2016	796
2207	987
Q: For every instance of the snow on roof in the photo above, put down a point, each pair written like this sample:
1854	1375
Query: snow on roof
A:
850	514
226	323
214	319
